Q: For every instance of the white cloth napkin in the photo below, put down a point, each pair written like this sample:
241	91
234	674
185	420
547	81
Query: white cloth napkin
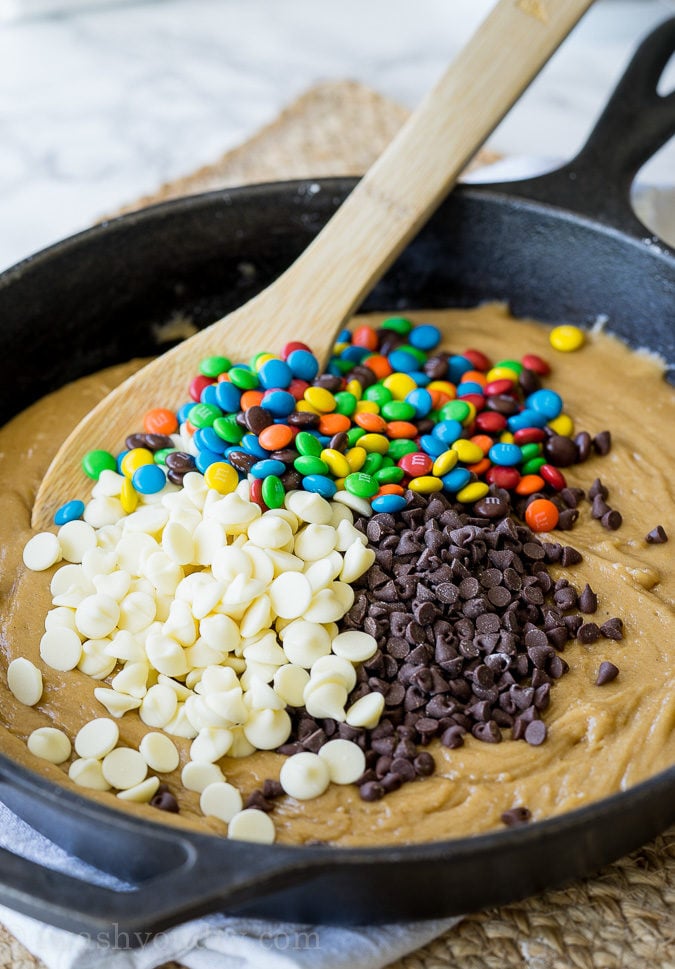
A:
222	942
213	942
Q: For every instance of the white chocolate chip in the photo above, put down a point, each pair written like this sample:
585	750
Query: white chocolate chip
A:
137	611
197	777
220	632
326	699
61	649
325	607
159	752
103	511
305	642
97	616
208	538
97	738
141	793
309	507
95	661
178	543
164	574
324	571
270	531
220	800
267	729
125	646
114	584
132	679
109	484
304	776
124	767
87	772
289	683
49	744
290	595
159	706
166	655
315	542
148	519
70	578
99	561
357	561
76	538
117	704
252	825
367	711
60	618
180	623
257	617
263	568
241	746
347	535
210	744
41	552
355	646
346	761
25	681
179	725
359	505
335	669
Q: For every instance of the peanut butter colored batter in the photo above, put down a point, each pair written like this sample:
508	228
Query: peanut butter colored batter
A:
601	739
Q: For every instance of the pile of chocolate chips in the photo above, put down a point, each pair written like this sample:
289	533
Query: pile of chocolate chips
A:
470	627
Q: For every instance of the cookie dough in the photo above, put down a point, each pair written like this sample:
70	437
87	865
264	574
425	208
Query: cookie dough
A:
601	739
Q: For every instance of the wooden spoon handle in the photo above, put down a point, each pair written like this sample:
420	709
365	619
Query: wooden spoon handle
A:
421	164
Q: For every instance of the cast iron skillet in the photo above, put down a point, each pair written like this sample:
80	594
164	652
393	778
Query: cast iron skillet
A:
564	246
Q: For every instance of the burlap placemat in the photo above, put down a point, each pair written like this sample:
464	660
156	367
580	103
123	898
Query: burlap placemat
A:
624	917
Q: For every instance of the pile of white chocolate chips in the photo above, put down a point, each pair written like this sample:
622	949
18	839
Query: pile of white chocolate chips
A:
219	617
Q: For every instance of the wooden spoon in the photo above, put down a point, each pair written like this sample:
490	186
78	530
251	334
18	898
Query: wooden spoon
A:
320	291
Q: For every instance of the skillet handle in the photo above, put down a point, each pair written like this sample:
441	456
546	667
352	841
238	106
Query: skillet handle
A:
182	876
635	123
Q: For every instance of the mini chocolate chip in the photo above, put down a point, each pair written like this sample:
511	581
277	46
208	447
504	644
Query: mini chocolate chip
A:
403	768
424	764
598	488
291	748
453	737
391	782
599	507
607	672
588	633
612	629
602	443
588	601
657	536
516	816
567	519
257	800
570	556
488	732
535	733
271	788
611	520
165	801
371	791
583	443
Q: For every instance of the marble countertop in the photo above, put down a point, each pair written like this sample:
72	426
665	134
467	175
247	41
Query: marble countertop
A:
103	102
